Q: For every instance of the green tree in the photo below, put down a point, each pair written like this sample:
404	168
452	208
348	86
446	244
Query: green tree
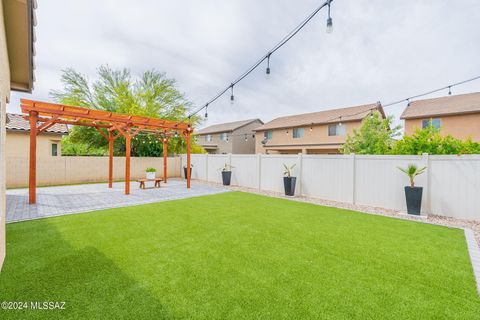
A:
429	140
151	95
375	136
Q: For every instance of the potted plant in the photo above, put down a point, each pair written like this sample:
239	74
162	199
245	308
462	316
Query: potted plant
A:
288	180
226	174
185	171
151	173
413	194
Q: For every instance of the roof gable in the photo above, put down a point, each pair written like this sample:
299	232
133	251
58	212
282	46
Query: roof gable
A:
449	105
322	117
227	127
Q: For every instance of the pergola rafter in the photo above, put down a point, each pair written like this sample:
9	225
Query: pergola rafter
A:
128	126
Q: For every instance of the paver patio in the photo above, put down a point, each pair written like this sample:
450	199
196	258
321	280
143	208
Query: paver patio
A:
61	200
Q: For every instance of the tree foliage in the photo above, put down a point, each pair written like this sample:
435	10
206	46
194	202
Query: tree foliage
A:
151	95
429	140
375	136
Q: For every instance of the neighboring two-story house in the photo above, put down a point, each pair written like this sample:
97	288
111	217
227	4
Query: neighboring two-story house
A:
234	137
458	116
321	132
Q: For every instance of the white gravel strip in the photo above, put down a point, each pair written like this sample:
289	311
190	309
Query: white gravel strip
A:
474	251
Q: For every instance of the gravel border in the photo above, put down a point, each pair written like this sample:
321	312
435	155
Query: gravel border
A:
474	251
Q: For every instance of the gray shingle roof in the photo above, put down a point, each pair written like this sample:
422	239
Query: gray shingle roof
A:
17	122
226	127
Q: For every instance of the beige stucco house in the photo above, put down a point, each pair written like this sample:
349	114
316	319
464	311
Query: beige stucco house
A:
458	116
233	137
18	139
321	132
16	73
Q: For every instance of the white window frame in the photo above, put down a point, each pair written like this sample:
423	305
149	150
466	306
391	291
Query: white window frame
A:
208	138
224	136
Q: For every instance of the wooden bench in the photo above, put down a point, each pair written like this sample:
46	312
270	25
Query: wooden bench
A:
157	182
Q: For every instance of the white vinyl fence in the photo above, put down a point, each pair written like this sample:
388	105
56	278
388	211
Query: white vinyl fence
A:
451	183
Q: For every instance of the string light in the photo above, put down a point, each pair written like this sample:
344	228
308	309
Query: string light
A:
232	97
267	72
407	100
329	20
449	90
287	38
206	111
246	139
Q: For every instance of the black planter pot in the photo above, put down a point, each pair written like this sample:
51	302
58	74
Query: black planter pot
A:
226	177
185	172
413	195
289	184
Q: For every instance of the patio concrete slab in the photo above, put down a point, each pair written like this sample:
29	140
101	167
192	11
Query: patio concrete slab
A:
62	200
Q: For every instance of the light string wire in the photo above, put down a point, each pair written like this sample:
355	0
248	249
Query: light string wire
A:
407	100
261	60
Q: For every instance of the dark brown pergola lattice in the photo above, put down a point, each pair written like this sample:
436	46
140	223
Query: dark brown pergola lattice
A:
43	115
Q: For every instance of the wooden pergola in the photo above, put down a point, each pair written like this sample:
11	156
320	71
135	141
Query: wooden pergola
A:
43	115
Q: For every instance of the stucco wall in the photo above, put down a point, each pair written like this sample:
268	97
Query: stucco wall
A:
71	170
240	146
4	95
222	146
18	144
283	142
460	126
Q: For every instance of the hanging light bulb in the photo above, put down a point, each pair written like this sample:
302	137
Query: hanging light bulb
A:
329	21
449	90
176	134
206	111
311	127
232	97
286	132
267	72
340	123
246	139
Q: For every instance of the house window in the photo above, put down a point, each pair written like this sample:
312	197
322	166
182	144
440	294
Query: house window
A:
337	129
208	138
268	135
54	149
436	123
298	133
224	136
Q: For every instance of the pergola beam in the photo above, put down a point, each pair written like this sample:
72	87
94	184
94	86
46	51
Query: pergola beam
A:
126	125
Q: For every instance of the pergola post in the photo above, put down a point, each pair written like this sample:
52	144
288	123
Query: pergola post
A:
110	159
32	178
188	161
165	142
127	163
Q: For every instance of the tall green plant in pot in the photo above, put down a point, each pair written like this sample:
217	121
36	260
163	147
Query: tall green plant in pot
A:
288	180
413	194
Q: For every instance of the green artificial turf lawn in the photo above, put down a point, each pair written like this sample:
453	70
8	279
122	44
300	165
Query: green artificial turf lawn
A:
237	256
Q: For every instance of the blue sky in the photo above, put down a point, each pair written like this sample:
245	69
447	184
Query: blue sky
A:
379	50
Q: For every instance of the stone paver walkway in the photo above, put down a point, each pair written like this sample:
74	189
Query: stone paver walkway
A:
62	200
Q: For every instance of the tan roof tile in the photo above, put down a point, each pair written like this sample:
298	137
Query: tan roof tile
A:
322	117
226	127
450	105
17	122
